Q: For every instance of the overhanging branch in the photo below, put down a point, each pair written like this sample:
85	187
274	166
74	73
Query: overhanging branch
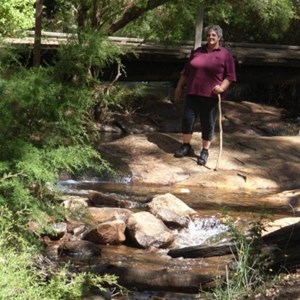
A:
133	12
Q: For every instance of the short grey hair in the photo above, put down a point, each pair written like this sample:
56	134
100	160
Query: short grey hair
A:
215	28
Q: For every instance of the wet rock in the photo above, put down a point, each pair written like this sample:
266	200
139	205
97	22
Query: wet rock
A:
112	233
148	231
281	248
171	209
82	249
101	199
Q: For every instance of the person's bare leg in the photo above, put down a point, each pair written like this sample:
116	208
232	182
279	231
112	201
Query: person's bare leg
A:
186	138
206	144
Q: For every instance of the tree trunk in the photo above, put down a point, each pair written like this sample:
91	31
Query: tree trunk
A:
199	27
82	15
38	33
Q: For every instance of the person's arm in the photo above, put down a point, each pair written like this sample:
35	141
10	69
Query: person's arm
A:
180	84
219	89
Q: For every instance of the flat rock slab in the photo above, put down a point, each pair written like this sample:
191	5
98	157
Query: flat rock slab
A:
247	161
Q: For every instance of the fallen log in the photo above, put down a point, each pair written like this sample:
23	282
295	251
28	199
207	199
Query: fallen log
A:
203	251
278	249
163	279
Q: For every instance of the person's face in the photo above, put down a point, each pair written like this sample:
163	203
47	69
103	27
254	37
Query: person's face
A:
212	38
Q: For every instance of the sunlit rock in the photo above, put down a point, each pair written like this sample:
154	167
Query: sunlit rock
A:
148	231
111	233
171	209
291	198
278	224
253	156
105	214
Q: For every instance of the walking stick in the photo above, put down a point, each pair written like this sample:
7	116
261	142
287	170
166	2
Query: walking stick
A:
220	130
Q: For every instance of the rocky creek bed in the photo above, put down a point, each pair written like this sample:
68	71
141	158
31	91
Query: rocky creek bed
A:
126	236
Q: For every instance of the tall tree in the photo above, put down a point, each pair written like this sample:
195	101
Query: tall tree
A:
38	33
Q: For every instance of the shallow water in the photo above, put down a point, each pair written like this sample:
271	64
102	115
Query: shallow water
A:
206	201
210	204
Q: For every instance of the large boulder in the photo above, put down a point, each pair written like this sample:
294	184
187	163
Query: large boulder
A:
171	209
112	233
148	231
104	214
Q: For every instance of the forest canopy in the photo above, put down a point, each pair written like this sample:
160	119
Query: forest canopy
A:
268	21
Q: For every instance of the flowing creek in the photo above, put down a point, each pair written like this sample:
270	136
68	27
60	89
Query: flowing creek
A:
155	263
143	270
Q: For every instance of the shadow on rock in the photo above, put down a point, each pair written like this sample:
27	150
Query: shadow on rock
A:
165	142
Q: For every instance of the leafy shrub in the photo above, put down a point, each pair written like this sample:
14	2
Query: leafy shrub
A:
248	274
21	278
46	128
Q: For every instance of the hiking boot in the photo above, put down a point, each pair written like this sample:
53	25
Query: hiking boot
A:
184	150
202	159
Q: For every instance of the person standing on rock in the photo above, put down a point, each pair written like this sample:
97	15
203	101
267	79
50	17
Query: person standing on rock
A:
208	72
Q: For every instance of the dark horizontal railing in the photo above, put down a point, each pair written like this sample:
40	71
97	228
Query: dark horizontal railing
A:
244	53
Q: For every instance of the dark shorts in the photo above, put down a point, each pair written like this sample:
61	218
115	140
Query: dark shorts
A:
204	107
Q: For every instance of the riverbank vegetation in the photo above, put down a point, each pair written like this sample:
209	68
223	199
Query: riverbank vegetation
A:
48	113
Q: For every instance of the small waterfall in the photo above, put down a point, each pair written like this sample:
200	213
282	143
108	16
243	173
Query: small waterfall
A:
198	231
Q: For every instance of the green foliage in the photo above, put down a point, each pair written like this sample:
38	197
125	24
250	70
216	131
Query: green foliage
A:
34	103
256	21
155	25
269	21
22	279
117	98
248	273
16	15
85	60
46	128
